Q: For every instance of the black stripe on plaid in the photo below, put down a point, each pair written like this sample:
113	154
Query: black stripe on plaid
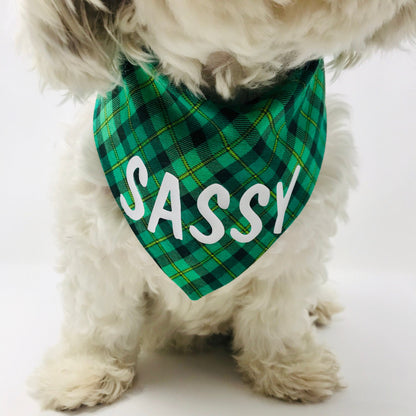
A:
201	143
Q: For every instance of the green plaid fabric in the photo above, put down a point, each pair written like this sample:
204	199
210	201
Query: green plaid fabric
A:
202	142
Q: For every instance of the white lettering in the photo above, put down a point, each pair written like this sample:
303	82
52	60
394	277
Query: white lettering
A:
138	211
170	189
223	201
170	185
283	201
256	225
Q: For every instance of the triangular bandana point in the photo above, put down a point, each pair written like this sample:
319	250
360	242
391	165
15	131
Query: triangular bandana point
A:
207	187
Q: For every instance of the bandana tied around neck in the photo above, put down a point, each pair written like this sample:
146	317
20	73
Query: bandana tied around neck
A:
207	187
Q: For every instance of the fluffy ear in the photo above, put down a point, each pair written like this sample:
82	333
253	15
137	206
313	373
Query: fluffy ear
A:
75	43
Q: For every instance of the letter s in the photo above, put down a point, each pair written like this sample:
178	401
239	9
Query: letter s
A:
223	200
256	225
135	163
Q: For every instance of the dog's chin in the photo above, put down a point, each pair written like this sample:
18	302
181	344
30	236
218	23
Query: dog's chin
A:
78	45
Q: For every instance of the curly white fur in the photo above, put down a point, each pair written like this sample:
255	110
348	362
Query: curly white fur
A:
116	299
77	44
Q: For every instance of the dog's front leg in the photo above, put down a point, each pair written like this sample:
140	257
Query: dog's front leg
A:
103	290
275	347
96	357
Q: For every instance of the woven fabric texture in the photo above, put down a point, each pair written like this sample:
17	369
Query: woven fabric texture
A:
202	142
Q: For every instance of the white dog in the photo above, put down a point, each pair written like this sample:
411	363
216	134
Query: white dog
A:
117	299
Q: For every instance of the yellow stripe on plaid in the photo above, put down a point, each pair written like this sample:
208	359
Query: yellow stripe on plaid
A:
201	142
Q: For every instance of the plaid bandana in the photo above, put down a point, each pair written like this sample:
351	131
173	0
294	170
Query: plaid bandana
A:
207	187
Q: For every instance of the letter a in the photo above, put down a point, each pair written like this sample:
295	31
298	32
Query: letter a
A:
170	185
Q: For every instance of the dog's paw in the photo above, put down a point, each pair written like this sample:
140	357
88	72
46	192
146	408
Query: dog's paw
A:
308	378
325	306
67	383
323	312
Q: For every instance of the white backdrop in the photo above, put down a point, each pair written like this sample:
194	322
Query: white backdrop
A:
373	267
